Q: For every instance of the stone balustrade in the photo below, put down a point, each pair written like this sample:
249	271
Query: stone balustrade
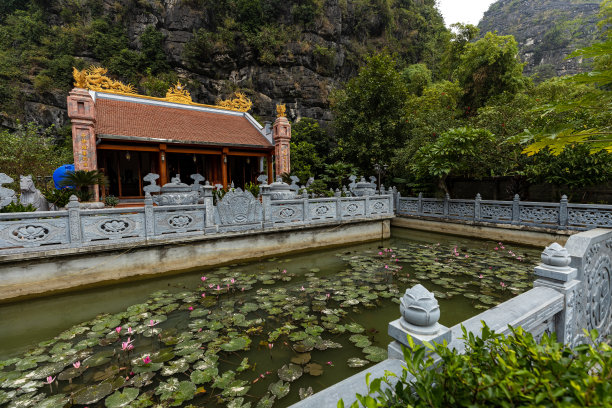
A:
562	215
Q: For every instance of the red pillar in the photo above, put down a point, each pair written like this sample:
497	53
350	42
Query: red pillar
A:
82	114
281	132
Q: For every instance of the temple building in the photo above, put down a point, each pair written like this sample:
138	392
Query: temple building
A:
126	136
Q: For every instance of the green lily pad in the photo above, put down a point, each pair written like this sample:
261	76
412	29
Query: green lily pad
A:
121	399
279	389
204	376
301	359
305	392
93	393
176	392
237	343
53	401
236	389
355	362
313	369
290	372
375	354
267	401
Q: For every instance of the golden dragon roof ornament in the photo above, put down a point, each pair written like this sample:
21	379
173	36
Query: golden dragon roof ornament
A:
281	111
95	79
240	103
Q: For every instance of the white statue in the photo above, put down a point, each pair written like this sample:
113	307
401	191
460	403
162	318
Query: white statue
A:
31	195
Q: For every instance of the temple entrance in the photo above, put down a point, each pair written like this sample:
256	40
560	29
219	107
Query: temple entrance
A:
243	170
125	170
186	164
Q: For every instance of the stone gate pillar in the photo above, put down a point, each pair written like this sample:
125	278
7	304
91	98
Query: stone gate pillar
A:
82	114
282	136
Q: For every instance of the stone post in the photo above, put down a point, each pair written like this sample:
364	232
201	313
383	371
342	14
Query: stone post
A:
339	208
210	227
554	272
516	209
420	204
282	137
82	114
419	318
74	221
477	207
149	216
266	204
563	212
367	211
446	202
306	208
397	201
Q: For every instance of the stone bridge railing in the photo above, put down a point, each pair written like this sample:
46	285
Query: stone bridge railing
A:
237	211
562	215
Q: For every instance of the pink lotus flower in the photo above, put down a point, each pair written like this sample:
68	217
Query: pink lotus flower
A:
393	256
496	248
284	271
329	363
302	288
270	345
480	276
242	289
233	280
503	285
386	266
50	380
328	295
152	323
467	256
203	278
118	329
203	295
190	308
218	287
146	359
211	285
502	247
380	253
76	364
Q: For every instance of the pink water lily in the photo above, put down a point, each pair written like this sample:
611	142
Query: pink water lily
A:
284	271
190	308
328	295
270	345
380	253
329	363
233	280
302	288
218	287
146	359
212	285
127	345
386	266
496	248
203	278
152	323
467	256
50	380
130	330
203	295
118	329
76	364
480	276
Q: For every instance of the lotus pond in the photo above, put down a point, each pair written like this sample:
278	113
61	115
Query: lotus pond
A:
261	334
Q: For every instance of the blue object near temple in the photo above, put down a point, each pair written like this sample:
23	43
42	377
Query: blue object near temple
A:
60	173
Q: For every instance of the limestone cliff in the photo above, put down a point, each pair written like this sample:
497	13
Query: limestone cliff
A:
293	52
546	30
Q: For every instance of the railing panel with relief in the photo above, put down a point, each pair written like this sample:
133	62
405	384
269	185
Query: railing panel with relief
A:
432	207
499	212
539	214
117	224
587	216
184	219
23	231
287	211
461	209
322	209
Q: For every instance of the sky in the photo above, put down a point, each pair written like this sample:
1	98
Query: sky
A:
463	11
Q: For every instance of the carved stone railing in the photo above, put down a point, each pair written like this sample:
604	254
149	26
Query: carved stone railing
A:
562	215
237	211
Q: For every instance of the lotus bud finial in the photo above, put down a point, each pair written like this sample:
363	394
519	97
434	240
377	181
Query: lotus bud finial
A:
556	255
419	307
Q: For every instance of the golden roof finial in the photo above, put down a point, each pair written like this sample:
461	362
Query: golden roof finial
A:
178	93
240	103
280	110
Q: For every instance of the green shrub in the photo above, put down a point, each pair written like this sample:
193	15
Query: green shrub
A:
111	201
252	188
17	207
58	197
499	371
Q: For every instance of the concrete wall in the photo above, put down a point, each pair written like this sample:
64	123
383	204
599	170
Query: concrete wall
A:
23	275
506	233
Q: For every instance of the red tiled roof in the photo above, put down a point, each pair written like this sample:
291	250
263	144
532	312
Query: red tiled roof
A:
134	119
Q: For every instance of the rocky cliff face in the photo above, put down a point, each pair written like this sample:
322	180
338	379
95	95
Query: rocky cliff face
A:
547	31
292	52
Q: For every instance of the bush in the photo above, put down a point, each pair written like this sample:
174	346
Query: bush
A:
111	201
499	371
59	198
17	207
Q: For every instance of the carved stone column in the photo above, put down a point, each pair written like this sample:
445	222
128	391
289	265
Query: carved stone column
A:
282	137
420	313
554	272
82	114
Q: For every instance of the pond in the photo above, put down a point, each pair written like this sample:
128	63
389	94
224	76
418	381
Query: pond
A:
261	334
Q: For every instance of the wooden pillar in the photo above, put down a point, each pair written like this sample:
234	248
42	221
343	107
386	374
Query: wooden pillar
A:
224	167
270	174
163	169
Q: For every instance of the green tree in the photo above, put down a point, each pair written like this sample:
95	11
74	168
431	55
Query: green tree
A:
457	152
305	162
417	77
309	130
597	103
370	114
489	67
30	149
83	181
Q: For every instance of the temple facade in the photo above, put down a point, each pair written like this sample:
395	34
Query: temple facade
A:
126	136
